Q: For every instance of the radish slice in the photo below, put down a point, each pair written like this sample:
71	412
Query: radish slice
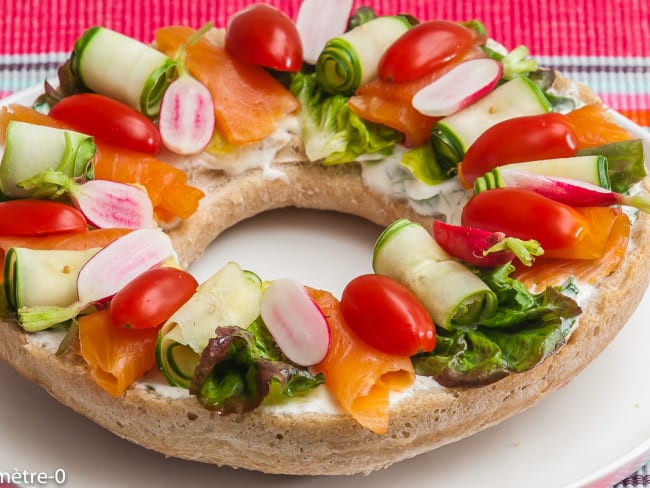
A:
104	203
571	192
110	204
121	261
295	322
186	120
459	87
318	22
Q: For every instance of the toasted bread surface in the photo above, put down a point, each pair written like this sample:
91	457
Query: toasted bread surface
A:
308	441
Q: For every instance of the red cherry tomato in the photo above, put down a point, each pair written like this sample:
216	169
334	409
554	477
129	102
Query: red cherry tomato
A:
109	120
387	316
263	35
424	48
151	298
527	215
528	138
39	217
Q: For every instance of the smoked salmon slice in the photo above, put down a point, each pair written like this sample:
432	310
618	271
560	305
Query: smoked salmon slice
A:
248	101
166	185
359	376
552	272
594	127
116	357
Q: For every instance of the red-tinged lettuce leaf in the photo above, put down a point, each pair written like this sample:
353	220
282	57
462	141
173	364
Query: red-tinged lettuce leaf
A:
234	375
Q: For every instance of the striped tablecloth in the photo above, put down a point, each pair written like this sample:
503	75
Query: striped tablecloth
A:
603	43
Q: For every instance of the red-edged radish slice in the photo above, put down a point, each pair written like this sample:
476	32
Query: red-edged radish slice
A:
570	192
186	120
318	22
459	87
295	322
122	260
483	248
111	204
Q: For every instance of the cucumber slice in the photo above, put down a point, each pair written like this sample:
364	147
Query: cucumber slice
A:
452	294
590	169
36	277
123	68
176	361
452	136
31	149
231	296
350	60
403	245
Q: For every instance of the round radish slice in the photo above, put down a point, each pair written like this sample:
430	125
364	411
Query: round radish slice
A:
111	204
318	22
295	322
186	120
459	87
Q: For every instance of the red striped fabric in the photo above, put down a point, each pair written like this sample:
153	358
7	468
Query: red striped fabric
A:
558	27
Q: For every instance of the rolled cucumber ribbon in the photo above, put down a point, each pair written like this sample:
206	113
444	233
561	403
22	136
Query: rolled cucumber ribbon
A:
123	68
452	294
350	60
32	149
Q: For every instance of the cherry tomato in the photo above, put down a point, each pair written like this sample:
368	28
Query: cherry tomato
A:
387	315
424	48
109	120
263	35
527	215
39	217
151	298
528	138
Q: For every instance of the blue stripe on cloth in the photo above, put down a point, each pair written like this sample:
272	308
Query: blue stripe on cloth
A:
603	74
18	72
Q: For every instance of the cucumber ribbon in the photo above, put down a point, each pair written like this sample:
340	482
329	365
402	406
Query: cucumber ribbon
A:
123	68
452	294
33	149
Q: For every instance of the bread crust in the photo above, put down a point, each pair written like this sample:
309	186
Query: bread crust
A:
317	443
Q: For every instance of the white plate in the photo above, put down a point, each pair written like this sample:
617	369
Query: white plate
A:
592	432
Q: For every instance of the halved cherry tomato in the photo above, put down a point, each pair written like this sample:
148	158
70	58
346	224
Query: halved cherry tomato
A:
423	48
263	35
109	120
527	138
387	316
39	217
151	298
527	215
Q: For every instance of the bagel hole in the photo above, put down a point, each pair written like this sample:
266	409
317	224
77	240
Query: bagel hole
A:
321	249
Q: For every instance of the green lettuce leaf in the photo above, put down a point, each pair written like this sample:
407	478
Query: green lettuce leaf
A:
524	330
331	131
625	162
422	162
237	368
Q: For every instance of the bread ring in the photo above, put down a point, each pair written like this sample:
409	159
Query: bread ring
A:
316	442
313	443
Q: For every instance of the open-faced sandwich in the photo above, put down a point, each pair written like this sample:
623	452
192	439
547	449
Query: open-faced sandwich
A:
515	241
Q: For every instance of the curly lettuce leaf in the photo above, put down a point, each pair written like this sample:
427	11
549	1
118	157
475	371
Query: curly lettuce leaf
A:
525	329
331	131
238	367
